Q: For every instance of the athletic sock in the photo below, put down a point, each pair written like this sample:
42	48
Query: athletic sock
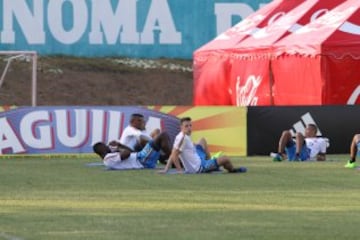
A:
352	160
281	154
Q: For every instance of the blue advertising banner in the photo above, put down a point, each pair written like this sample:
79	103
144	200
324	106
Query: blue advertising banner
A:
72	129
97	28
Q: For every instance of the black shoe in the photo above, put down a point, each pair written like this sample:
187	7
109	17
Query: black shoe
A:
239	170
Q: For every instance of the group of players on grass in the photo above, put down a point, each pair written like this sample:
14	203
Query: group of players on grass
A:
137	150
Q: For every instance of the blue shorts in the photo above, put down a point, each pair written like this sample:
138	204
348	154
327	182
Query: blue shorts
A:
148	156
358	149
290	150
206	165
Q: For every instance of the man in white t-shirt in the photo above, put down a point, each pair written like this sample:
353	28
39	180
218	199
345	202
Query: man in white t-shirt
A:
195	157
303	148
122	158
134	135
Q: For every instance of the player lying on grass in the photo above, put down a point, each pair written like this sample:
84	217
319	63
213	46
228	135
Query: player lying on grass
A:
304	147
120	158
354	151
195	157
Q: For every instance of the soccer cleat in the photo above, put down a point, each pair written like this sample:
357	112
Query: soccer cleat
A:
350	165
277	158
217	155
239	170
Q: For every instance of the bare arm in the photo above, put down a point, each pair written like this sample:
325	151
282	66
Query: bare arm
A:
114	145
143	139
173	159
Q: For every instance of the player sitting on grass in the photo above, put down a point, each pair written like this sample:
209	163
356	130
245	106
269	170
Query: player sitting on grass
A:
308	147
135	137
195	158
354	150
118	158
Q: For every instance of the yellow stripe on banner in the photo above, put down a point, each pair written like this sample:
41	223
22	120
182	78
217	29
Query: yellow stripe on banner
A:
7	108
224	127
222	136
197	113
162	109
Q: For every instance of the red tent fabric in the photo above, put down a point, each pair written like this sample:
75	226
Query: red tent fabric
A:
212	62
319	64
253	58
234	35
268	35
240	71
255	53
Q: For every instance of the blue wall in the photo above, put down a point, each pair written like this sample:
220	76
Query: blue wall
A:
97	28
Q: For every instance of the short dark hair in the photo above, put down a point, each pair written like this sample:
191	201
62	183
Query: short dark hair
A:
136	115
313	126
100	148
185	119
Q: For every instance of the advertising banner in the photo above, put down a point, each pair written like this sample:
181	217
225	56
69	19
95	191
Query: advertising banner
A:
336	123
72	130
50	130
132	28
224	128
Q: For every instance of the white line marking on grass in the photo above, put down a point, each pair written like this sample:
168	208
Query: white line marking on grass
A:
9	237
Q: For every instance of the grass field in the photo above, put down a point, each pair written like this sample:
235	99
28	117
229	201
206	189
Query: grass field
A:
62	198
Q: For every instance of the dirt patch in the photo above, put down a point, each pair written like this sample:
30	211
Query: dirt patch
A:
104	81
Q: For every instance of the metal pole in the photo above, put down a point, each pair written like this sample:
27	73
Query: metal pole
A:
34	80
7	67
34	70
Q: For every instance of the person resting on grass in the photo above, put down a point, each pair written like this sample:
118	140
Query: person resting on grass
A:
354	151
303	148
135	137
195	158
119	158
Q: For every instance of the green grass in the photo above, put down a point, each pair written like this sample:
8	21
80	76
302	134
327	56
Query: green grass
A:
63	199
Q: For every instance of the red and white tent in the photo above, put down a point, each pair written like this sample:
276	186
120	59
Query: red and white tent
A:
250	76
250	73
252	80
212	62
249	25
319	64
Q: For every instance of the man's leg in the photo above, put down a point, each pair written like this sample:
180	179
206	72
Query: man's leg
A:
353	151
161	143
284	140
202	142
225	162
354	147
300	140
